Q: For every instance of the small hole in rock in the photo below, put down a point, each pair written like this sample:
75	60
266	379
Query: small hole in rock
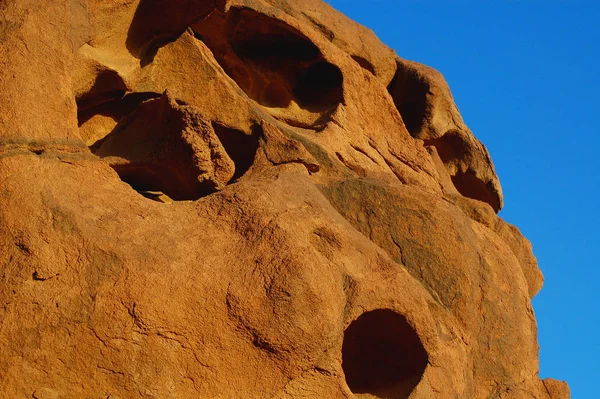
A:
452	148
97	122
108	86
141	179
154	181
409	92
115	109
469	185
240	147
156	22
382	355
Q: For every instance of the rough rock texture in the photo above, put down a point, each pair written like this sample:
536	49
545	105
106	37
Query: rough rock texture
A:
246	199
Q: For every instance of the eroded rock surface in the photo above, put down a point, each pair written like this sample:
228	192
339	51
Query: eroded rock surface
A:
246	199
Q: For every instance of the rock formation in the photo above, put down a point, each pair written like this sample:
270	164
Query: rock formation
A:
246	199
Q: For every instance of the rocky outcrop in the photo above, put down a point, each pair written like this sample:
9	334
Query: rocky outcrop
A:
246	199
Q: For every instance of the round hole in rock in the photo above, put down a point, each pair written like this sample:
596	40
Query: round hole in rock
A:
382	355
470	186
453	149
409	92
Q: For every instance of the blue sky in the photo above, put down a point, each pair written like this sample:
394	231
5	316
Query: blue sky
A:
525	75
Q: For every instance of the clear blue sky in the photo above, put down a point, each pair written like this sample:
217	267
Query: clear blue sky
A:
526	77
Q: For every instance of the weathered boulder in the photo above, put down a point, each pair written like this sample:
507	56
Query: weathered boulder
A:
246	199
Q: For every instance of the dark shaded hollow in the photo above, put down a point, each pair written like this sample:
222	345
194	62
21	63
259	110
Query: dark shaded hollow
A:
319	87
469	185
116	108
261	38
452	148
272	62
240	147
167	179
140	178
157	22
409	92
108	86
382	355
173	177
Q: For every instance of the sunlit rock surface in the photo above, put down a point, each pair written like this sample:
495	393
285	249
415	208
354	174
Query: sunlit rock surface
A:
246	199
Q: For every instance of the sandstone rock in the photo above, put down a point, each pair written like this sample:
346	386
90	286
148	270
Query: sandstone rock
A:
246	199
557	389
45	393
169	147
429	113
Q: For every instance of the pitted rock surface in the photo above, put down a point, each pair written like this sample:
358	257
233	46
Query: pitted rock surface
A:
246	199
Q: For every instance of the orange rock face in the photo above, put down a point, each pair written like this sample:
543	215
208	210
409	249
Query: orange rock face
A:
246	199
